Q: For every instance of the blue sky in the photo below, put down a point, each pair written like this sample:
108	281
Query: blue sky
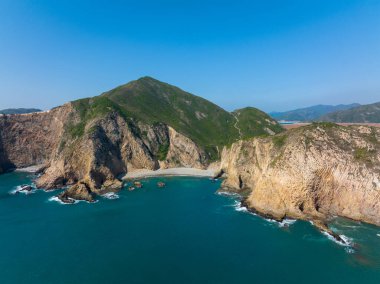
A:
275	55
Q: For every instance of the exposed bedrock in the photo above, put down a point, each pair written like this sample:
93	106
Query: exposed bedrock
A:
108	147
310	173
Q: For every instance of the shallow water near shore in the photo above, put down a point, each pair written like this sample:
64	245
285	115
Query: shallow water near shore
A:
183	233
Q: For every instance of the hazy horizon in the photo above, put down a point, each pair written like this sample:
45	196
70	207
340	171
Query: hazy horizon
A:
273	55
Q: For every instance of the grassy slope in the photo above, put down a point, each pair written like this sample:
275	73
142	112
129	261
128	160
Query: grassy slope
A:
365	113
152	101
253	122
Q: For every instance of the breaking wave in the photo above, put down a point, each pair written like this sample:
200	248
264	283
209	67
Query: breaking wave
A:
111	195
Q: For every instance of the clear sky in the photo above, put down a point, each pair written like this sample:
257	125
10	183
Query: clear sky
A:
275	55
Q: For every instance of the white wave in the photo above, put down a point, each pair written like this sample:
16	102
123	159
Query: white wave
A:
110	195
226	193
56	199
286	222
347	242
378	235
349	249
238	207
18	190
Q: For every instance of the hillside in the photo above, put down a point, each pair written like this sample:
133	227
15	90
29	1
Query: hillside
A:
361	114
18	110
264	124
309	113
145	124
151	101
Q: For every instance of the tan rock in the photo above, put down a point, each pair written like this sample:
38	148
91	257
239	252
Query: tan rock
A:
313	172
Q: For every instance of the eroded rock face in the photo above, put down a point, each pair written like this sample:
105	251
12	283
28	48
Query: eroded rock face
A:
107	148
79	191
30	139
183	152
313	172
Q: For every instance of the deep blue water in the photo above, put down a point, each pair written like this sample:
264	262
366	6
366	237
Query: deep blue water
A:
184	233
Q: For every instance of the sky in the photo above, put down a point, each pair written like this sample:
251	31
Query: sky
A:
272	54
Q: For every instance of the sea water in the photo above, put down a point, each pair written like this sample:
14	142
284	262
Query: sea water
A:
183	233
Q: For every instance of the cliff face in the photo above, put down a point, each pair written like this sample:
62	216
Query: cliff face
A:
145	124
30	139
311	173
109	147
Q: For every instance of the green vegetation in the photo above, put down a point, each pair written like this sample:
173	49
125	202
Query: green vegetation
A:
279	140
309	113
19	110
151	101
361	153
373	139
360	114
364	155
162	152
254	122
89	109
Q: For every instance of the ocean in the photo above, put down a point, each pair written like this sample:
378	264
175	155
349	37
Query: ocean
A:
183	233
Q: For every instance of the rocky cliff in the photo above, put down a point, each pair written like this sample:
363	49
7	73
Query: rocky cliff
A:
29	139
145	124
312	173
109	147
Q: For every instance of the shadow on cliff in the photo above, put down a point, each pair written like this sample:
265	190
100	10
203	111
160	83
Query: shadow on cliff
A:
5	164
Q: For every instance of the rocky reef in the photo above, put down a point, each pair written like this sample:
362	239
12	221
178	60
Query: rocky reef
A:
311	173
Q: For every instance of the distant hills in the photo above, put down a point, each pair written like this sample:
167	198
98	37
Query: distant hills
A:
365	113
19	110
310	113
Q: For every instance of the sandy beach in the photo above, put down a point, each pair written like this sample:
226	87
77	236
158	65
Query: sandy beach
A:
31	169
170	172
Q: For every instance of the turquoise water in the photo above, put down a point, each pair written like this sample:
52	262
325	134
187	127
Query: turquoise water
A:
184	233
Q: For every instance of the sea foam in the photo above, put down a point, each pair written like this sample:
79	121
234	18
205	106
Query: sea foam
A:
347	242
56	199
18	190
238	207
111	195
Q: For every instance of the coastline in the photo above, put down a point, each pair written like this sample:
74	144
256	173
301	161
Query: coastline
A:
30	169
142	173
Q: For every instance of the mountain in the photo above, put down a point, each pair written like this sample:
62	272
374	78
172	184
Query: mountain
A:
19	110
86	146
360	114
300	174
309	113
145	124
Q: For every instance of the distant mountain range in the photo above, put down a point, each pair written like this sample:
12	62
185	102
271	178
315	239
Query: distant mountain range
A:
310	113
364	113
19	110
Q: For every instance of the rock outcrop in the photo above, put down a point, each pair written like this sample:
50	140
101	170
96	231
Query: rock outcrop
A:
311	173
91	163
30	139
145	124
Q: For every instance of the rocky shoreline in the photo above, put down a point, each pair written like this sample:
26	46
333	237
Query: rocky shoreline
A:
311	173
